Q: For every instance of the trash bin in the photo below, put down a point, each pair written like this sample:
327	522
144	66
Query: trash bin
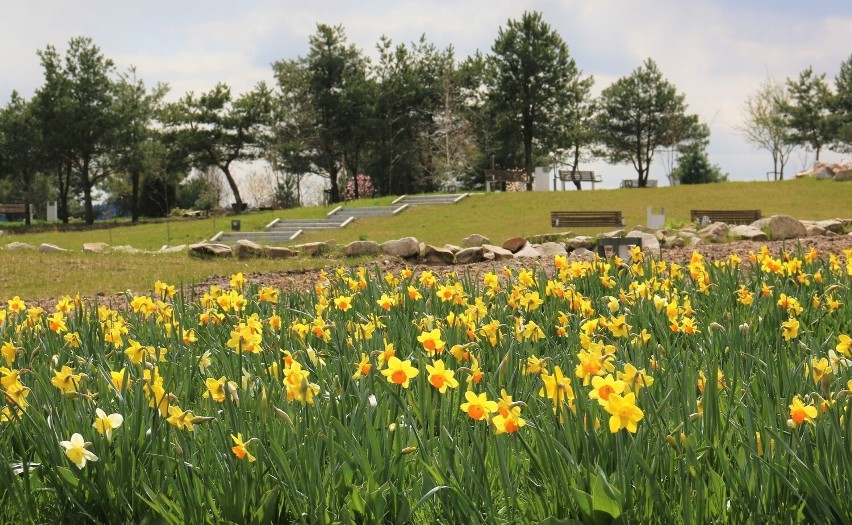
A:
235	226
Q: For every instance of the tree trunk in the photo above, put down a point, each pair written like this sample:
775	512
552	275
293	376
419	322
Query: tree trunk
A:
238	201
85	181
574	167
134	197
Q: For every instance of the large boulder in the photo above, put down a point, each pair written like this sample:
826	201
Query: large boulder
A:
435	255
714	232
528	251
475	240
548	250
362	248
406	247
172	249
745	231
470	255
780	227
650	243
280	252
582	254
46	247
314	249
246	249
207	250
130	250
496	253
832	225
843	175
514	244
95	247
580	241
15	246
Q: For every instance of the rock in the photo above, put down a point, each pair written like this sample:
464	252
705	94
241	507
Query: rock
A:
361	248
497	253
690	238
744	231
613	233
14	246
405	247
470	255
551	249
46	247
780	227
435	255
452	247
580	241
650	244
582	254
559	237
126	248
832	225
313	249
814	230
280	252
206	250
843	175
643	228
714	232
172	249
824	173
475	240
95	247
528	251
674	241
246	249
514	244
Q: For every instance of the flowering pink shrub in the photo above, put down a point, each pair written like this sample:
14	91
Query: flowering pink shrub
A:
365	188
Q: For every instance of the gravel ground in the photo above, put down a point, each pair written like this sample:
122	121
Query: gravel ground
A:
301	281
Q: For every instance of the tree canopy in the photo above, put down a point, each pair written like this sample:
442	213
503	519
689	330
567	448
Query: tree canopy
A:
641	113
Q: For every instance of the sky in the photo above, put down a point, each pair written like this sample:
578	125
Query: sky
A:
716	53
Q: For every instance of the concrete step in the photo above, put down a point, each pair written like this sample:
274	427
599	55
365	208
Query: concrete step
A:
368	211
273	238
415	200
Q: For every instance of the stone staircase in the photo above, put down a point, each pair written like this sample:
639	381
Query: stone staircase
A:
281	231
367	211
424	200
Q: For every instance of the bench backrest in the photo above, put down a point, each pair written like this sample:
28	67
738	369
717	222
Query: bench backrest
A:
582	176
586	218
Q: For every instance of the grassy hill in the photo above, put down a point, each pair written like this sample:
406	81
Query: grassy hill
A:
495	215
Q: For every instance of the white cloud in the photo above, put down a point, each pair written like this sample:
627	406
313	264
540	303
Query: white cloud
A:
715	52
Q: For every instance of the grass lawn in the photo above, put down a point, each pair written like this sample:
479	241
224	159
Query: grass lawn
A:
496	215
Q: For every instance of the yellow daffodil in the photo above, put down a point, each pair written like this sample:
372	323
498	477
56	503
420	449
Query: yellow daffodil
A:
76	451
105	424
478	406
603	387
441	378
432	342
623	412
800	413
400	372
240	447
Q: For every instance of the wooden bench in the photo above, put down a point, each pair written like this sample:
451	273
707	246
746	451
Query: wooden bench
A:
633	183
559	219
726	216
579	176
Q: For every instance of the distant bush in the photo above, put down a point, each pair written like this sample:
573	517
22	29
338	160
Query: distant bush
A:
365	188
